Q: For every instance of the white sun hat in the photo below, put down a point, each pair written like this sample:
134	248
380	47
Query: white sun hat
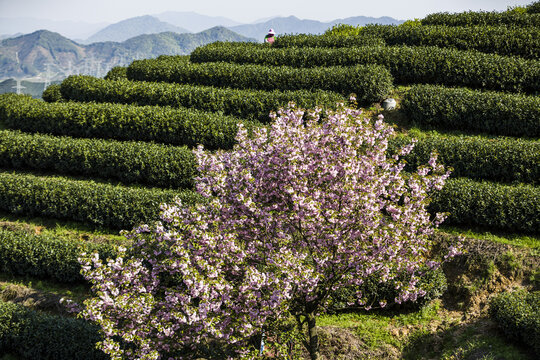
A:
271	31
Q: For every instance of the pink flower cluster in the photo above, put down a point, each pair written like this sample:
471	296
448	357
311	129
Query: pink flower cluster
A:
294	212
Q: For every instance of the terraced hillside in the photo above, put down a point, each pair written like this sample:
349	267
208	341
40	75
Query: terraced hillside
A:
102	154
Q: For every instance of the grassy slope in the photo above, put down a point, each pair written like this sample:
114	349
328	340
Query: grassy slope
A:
430	333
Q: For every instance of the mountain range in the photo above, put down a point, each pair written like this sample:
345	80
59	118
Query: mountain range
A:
53	56
179	22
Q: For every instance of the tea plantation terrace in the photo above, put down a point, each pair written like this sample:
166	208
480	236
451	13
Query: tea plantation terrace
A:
107	152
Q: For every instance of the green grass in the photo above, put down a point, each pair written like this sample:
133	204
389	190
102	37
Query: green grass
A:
76	292
476	340
68	230
376	328
428	333
520	240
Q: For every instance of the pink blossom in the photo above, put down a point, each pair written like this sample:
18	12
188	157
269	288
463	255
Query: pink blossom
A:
294	212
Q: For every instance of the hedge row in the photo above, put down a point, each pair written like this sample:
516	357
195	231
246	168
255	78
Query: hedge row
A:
326	41
430	65
25	254
370	83
506	207
465	109
518	315
30	334
120	72
524	42
129	162
249	104
122	122
482	18
87	201
514	208
496	159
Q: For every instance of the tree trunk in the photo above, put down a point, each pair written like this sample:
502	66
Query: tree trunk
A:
313	337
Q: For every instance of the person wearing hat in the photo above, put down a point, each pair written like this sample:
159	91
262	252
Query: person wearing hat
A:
269	38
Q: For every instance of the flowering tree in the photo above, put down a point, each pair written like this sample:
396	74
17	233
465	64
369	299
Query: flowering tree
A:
293	213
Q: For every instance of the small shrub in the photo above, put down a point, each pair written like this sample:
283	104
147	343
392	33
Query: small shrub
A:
533	8
39	336
52	94
518	315
117	73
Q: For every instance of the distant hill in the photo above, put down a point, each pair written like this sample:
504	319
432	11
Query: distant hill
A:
179	22
193	21
167	43
28	55
132	27
294	25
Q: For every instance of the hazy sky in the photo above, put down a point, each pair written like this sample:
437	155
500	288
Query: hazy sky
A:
95	11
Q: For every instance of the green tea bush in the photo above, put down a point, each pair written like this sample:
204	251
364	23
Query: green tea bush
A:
477	157
43	257
178	126
533	8
433	282
129	162
87	201
249	104
370	83
465	109
430	65
117	73
518	315
524	42
328	41
34	335
483	18
482	203
52	93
